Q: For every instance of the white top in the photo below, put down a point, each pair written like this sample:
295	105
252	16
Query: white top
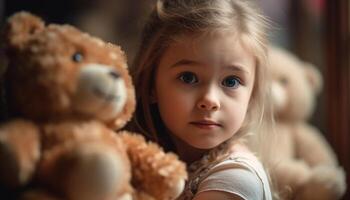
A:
240	173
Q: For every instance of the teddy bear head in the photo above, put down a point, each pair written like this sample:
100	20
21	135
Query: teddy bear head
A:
295	85
57	72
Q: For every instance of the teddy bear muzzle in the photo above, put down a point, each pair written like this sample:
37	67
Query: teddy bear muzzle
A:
101	92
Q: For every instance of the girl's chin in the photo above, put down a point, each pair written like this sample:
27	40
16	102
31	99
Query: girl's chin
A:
205	146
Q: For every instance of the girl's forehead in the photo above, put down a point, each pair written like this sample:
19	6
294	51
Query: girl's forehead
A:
200	36
210	49
219	40
221	44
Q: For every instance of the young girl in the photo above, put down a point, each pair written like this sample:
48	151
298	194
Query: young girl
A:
201	89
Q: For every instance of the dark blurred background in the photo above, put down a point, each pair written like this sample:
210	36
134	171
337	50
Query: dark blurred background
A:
117	21
298	26
317	31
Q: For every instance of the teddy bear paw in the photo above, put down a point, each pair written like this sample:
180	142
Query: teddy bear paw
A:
325	183
98	173
177	190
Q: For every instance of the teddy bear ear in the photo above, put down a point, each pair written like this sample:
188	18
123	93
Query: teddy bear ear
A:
20	27
314	77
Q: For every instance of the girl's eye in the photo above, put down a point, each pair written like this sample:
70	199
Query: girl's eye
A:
188	77
231	82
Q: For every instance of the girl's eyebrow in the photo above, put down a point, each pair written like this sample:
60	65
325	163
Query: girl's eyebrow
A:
185	62
236	68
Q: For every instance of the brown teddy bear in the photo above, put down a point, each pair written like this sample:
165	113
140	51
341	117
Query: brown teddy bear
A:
67	91
306	166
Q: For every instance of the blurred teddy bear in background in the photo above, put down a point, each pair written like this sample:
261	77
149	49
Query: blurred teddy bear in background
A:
305	166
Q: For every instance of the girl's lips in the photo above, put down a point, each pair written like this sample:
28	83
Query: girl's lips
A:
205	124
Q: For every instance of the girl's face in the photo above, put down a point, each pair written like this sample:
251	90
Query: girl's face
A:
202	88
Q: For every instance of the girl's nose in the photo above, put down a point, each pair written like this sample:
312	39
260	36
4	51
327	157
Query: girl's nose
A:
209	101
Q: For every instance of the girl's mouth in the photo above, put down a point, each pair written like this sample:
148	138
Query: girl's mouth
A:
205	124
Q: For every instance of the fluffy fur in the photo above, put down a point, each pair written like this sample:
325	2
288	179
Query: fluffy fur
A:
306	166
67	91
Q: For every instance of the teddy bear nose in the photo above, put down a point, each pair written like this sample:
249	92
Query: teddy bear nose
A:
114	75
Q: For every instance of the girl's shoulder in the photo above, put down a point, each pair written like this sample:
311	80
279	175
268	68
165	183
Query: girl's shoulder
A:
240	157
240	173
238	181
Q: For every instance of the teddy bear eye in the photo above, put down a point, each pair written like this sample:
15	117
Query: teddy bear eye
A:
114	74
77	57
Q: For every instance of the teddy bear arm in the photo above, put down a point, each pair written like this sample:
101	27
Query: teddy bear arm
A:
19	152
83	161
158	174
327	179
325	183
312	147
